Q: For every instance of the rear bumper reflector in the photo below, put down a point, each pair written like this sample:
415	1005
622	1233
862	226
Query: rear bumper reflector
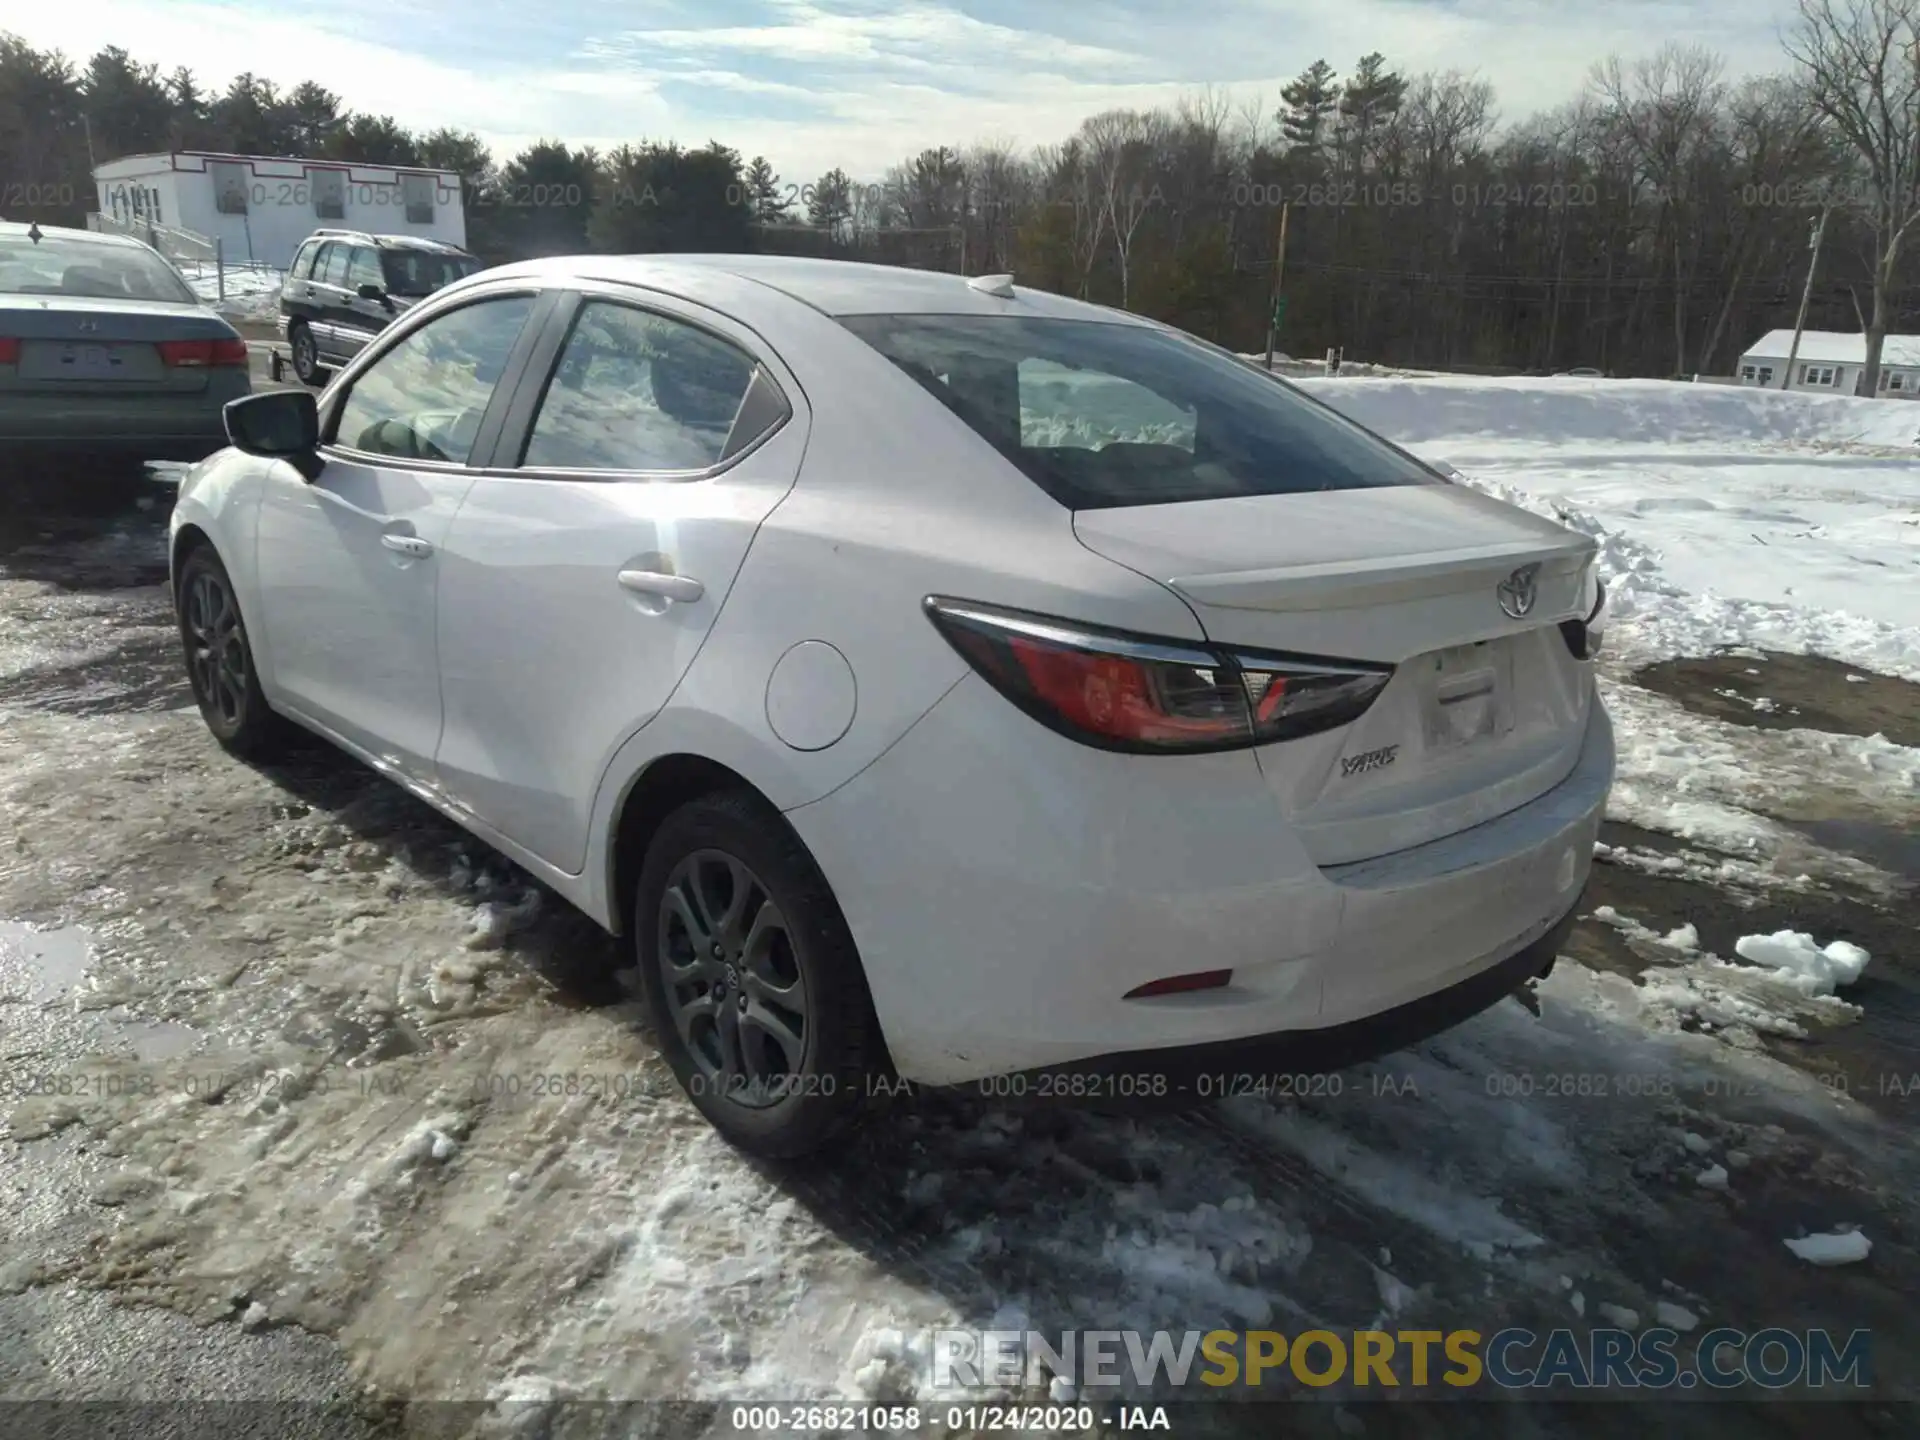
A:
1181	984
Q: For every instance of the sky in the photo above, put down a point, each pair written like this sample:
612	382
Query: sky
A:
865	83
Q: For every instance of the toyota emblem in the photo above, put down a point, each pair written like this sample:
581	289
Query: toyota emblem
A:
1516	592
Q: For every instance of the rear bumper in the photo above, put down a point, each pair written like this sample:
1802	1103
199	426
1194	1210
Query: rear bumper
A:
1268	1063
149	427
1007	888
115	447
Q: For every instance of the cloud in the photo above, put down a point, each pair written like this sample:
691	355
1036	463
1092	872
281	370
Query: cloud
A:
864	83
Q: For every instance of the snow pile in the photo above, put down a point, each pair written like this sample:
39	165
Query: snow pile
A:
1695	987
1087	432
1715	784
1655	615
1723	516
1810	968
1843	1247
493	922
1685	938
252	291
1295	367
1568	410
1675	1317
430	1141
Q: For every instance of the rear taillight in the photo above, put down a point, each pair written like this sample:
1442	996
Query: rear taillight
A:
1129	692
9	350
199	354
1585	637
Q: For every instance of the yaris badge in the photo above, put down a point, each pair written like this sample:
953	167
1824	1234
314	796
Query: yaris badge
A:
1517	591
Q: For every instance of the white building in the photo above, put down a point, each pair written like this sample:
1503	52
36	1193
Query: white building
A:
1832	360
260	208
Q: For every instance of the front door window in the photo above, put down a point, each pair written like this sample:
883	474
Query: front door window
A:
424	398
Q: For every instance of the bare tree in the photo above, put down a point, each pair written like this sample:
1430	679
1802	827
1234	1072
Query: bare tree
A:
1667	110
1200	160
1121	147
870	209
1067	183
1000	186
1860	63
1776	143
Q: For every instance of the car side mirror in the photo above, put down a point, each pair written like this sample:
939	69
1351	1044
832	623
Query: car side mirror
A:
276	425
371	291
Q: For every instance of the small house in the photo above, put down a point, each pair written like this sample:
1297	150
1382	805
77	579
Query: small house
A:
1831	361
259	208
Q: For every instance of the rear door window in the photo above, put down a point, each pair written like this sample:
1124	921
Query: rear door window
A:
417	273
331	267
639	391
1105	414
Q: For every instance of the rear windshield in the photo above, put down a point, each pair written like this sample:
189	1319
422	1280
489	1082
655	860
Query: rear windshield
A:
413	273
1100	415
61	265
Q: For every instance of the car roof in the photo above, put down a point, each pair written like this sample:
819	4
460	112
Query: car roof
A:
388	242
12	228
834	287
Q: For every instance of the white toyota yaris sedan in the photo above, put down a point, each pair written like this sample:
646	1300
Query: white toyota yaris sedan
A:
935	679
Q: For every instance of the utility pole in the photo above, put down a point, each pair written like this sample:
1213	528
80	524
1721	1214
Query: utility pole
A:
1275	299
1806	294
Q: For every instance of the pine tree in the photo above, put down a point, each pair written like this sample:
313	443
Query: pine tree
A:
312	111
187	125
763	192
830	206
126	105
1310	101
1370	98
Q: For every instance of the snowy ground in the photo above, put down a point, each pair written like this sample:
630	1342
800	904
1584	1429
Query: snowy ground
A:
294	1060
252	292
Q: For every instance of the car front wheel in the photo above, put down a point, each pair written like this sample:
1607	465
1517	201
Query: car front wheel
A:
220	661
751	979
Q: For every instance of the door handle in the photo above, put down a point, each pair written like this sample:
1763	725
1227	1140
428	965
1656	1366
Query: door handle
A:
669	587
407	544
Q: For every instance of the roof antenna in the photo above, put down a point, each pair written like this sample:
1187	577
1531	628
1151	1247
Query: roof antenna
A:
999	286
33	232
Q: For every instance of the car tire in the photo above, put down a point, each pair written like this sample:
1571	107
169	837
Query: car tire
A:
738	937
220	668
305	352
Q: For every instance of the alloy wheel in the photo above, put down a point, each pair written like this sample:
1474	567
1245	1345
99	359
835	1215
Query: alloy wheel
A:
305	358
733	982
216	648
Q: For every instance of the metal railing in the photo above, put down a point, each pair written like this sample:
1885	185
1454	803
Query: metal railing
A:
198	257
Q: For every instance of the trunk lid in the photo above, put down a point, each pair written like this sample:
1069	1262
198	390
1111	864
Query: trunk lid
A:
75	345
1487	708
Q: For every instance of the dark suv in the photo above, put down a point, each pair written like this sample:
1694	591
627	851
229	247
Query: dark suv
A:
346	286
